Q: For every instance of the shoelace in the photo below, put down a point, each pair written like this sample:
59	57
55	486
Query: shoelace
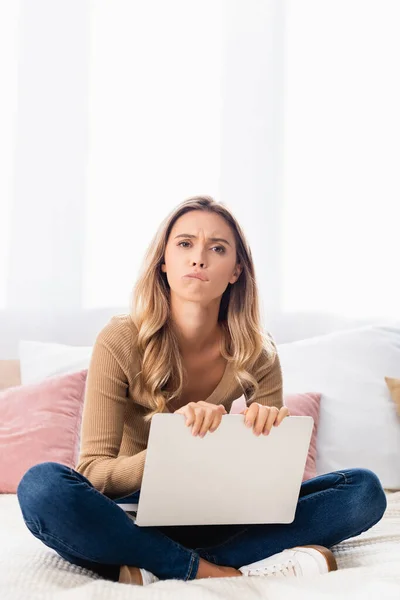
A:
285	568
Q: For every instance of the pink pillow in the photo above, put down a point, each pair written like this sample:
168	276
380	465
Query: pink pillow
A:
40	422
306	404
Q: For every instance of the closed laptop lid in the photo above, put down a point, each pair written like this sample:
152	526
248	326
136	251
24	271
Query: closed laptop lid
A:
230	476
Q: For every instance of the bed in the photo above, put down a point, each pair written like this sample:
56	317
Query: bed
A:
368	567
368	564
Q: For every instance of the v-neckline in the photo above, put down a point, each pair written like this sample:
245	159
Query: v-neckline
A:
213	397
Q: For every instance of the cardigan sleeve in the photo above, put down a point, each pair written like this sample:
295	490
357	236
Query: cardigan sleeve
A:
103	416
269	377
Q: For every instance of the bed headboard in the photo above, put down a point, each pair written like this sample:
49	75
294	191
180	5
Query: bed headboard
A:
9	373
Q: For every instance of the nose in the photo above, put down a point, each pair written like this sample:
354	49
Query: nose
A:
198	255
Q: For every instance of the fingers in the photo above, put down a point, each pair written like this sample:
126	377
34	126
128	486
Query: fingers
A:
216	422
272	415
207	417
261	417
192	416
283	412
251	414
265	417
203	416
188	412
212	418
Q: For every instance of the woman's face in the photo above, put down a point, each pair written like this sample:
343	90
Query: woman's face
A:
190	247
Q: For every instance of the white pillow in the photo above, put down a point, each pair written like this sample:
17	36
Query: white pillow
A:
39	360
358	424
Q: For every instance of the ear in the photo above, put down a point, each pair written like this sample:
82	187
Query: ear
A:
163	268
236	273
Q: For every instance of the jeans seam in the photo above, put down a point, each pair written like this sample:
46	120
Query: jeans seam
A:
29	522
191	564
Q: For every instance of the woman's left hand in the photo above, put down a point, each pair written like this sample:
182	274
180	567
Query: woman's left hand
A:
262	418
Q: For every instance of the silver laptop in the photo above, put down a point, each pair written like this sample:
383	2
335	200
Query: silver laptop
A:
230	476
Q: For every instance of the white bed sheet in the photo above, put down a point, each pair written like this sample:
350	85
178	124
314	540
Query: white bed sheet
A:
369	567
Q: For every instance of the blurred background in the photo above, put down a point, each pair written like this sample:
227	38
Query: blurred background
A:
114	111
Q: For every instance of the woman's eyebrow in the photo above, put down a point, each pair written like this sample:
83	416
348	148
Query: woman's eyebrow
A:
212	239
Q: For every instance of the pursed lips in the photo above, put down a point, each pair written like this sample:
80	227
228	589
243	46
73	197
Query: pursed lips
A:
195	277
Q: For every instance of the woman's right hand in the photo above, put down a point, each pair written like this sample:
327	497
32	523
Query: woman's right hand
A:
203	416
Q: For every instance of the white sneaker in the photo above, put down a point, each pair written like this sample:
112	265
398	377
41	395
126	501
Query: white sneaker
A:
148	577
297	561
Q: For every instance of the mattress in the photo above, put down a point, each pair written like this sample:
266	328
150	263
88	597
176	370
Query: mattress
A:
368	567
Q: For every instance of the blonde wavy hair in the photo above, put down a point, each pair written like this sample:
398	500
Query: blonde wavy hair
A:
156	344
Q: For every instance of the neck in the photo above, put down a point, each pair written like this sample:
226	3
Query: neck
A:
196	327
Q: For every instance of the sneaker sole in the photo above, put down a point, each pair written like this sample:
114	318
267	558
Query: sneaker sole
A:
328	555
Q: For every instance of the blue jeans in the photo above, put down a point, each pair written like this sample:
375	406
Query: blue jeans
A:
87	528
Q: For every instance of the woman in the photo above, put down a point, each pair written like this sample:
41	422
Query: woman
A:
192	344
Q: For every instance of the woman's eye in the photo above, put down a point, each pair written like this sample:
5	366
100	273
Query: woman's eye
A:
219	247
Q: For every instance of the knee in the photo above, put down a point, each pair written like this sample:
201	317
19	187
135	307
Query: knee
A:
372	495
38	485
